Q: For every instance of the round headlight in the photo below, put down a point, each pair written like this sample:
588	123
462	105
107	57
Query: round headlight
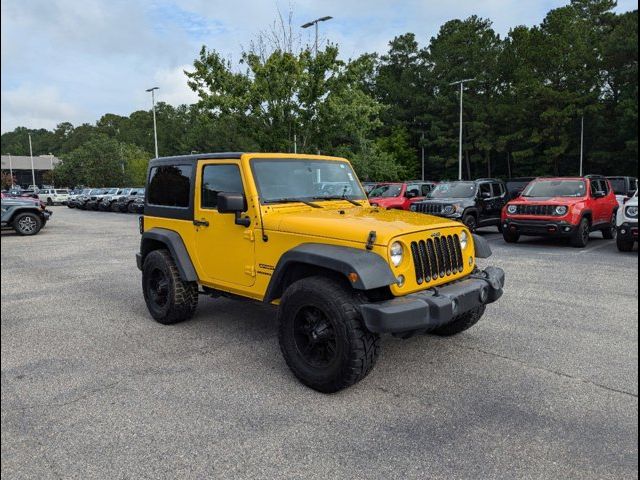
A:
413	208
464	240
512	209
396	252
561	210
632	212
448	209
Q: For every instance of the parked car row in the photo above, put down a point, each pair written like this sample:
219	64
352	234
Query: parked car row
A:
556	207
129	199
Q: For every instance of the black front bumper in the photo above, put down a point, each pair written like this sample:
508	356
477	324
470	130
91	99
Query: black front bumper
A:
433	308
542	228
628	231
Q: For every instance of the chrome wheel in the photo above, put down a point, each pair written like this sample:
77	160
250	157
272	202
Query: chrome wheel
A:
27	224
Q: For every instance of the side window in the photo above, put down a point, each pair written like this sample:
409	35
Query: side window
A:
497	189
413	188
485	190
219	178
170	185
633	185
604	186
426	188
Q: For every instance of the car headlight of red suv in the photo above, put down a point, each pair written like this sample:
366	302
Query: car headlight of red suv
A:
561	210
512	209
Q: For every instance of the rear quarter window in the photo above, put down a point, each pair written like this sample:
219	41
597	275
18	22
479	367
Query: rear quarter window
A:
170	185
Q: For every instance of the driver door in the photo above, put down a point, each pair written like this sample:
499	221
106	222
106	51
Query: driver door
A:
225	251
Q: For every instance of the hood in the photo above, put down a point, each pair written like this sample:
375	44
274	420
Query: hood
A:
447	201
351	224
547	200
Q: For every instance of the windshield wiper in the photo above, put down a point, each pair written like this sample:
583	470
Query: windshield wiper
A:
339	197
292	200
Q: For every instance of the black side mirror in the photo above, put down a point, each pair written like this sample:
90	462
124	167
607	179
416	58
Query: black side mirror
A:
234	203
485	195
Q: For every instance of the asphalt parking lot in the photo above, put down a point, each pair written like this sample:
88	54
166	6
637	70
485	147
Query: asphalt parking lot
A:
545	386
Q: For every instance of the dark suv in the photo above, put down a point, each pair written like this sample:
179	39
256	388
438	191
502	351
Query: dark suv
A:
123	203
476	203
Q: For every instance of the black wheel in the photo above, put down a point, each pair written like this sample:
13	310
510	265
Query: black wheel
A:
461	323
611	232
169	298
115	207
510	237
500	228
49	202
27	223
322	337
130	208
624	244
71	205
470	221
580	237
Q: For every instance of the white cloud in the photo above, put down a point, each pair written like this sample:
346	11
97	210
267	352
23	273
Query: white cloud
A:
37	108
173	86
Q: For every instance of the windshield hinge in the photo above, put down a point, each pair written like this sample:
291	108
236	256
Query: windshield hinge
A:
371	239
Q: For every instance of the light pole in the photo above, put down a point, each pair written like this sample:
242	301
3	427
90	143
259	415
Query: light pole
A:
315	22
581	143
33	172
461	82
10	169
153	105
53	182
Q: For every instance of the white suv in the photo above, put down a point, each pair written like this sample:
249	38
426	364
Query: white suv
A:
627	225
51	196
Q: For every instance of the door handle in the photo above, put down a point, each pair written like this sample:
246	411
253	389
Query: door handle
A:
201	223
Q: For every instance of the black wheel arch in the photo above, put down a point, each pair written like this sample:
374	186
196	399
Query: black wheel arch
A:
162	238
309	259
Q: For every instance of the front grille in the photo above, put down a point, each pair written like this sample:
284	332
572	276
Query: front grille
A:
436	257
546	210
430	208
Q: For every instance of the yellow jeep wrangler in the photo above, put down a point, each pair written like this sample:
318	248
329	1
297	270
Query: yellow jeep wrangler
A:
297	231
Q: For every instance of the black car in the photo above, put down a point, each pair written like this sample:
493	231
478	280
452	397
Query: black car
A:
107	202
137	206
122	204
475	203
624	187
515	186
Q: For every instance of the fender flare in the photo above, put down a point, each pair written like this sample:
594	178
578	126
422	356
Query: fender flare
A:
173	241
371	269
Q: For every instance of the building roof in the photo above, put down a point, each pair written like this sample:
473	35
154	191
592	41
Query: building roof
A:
23	162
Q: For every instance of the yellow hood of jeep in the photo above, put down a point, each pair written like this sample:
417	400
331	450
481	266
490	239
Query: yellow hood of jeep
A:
352	224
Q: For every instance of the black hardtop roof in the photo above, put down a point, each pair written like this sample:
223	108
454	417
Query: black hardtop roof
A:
191	159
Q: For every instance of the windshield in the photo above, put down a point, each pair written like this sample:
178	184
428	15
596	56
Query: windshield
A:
386	191
111	191
298	178
555	188
454	190
62	192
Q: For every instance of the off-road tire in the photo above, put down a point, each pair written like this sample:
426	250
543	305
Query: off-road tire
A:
610	232
510	237
470	221
181	297
70	205
27	224
130	208
624	244
356	349
580	237
115	207
49	201
461	323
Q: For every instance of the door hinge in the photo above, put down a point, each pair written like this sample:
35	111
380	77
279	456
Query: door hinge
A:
248	235
250	270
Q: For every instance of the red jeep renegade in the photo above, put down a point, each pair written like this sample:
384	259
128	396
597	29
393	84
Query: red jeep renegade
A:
562	207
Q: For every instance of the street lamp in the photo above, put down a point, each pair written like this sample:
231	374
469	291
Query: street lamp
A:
315	22
10	169
53	182
33	172
461	82
581	144
153	104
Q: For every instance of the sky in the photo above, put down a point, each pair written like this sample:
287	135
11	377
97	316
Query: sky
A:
75	60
